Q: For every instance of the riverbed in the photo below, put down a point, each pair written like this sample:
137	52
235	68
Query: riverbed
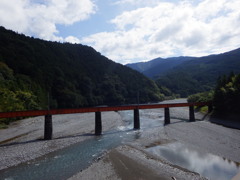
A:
120	152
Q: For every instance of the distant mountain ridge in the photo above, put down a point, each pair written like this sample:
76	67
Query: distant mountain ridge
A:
158	66
189	75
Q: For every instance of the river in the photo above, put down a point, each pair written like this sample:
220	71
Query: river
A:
66	162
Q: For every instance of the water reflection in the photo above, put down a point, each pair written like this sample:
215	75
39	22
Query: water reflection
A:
207	165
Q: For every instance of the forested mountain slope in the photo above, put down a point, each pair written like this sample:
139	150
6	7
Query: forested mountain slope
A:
200	74
158	66
190	75
36	73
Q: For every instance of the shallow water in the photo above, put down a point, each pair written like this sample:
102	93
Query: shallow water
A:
207	165
66	162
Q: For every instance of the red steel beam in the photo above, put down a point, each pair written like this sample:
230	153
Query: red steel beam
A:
95	109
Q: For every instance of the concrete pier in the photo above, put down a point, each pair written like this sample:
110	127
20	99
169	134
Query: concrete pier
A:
136	119
191	114
166	116
210	108
48	127
98	123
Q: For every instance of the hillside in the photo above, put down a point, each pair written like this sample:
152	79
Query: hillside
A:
200	74
194	74
36	73
158	66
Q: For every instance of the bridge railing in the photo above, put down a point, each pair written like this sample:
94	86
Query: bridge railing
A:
98	121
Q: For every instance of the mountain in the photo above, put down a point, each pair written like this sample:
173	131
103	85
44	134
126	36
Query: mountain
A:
35	74
195	75
158	66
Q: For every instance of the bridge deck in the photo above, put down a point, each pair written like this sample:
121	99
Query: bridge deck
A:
96	109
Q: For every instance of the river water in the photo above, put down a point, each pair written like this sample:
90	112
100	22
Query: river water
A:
208	165
66	162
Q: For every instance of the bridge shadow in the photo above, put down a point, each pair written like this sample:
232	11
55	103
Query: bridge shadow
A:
176	120
41	139
3	144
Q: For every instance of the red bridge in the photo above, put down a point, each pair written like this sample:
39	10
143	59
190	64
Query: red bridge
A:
98	121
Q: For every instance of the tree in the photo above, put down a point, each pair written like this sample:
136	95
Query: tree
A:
227	94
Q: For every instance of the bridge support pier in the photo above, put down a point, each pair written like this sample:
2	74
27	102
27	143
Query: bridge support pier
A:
98	123
191	114
166	116
48	127
210	108
136	119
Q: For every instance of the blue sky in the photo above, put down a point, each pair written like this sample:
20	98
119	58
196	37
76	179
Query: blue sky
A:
98	22
129	31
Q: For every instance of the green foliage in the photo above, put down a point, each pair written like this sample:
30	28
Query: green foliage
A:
12	96
168	94
203	109
201	97
165	91
199	74
3	125
27	99
35	74
180	83
227	94
225	97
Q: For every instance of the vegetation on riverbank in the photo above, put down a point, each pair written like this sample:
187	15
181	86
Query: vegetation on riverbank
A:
225	97
201	97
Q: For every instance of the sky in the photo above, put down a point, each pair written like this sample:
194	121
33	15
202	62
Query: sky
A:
128	31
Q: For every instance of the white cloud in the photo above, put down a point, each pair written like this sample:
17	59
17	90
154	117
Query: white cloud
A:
139	3
12	15
169	28
144	30
72	39
39	18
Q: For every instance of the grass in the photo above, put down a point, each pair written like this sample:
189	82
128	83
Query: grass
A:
4	122
3	125
203	109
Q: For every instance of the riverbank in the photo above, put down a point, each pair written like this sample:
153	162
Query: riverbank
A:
127	162
133	161
22	142
227	121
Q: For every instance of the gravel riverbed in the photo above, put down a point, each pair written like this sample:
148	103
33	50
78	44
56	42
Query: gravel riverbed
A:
133	161
22	142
